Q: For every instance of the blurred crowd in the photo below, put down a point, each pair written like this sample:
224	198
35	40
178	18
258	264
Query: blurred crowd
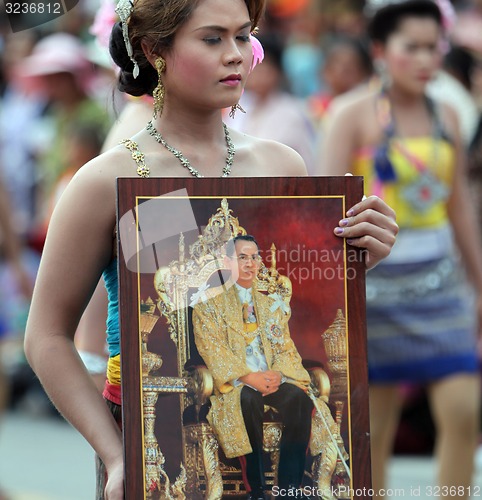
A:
58	101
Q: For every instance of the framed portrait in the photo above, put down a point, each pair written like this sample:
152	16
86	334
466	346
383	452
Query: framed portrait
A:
173	260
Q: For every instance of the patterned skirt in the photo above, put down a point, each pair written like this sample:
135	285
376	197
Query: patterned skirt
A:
421	321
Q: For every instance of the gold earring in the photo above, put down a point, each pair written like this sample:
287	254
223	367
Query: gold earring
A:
159	92
234	108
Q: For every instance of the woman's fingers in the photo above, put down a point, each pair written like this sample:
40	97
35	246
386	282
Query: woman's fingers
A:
372	203
370	224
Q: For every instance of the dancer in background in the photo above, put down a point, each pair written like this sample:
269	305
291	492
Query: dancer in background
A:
422	321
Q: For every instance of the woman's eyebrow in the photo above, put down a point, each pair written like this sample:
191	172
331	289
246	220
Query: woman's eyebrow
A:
222	29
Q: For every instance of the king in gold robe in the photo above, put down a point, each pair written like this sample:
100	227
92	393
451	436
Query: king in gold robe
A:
221	339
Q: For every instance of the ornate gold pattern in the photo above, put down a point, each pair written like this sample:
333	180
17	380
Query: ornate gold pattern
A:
201	385
159	92
271	440
271	436
322	471
156	478
142	169
214	481
335	343
203	448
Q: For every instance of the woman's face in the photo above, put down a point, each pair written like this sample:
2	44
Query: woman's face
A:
211	56
412	54
343	70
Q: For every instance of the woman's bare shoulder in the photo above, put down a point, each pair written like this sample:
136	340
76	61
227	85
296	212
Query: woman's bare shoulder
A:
266	158
352	124
113	163
95	182
352	107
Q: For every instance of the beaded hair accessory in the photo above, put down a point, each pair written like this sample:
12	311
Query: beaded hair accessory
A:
124	10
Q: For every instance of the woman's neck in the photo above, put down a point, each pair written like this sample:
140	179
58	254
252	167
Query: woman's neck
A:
410	112
202	127
200	138
402	98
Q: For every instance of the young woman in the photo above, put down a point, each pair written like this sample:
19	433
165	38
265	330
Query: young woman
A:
206	54
421	322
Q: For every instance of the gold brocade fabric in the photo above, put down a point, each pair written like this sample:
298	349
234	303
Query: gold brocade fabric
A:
250	331
320	437
220	338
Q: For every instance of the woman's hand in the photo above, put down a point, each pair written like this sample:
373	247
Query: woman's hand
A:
371	225
114	489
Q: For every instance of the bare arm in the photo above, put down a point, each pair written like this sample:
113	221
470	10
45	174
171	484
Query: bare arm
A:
77	249
287	161
90	335
339	143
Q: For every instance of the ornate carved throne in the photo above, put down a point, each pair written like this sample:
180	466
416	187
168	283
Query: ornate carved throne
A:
207	473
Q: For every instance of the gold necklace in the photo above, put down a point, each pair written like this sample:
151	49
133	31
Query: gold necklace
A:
184	161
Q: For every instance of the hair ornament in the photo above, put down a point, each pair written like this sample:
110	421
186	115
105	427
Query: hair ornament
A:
258	51
449	16
124	10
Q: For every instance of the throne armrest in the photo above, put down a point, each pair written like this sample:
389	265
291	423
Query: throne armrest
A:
201	383
321	381
319	378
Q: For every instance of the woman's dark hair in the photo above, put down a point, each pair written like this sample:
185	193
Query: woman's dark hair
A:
359	46
156	22
386	20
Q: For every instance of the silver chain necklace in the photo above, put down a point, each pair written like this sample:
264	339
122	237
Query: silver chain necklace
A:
184	161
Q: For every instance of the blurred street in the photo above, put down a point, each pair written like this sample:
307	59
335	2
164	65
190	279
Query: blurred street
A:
43	458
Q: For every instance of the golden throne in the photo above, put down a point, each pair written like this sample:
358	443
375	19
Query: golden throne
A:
206	473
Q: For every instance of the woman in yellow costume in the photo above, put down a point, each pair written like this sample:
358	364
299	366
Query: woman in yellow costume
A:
422	319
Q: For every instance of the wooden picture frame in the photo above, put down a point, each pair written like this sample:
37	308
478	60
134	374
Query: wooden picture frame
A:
165	226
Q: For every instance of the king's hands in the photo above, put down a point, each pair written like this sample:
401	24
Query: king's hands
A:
266	382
